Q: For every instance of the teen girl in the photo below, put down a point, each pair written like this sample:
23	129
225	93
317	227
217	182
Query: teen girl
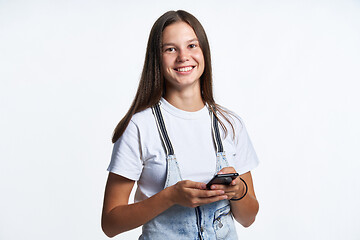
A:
173	140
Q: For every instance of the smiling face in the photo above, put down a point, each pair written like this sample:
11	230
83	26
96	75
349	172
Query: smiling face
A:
182	58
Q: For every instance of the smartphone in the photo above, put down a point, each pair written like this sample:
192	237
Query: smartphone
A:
225	179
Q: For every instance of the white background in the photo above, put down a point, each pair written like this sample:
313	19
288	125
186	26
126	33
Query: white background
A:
69	71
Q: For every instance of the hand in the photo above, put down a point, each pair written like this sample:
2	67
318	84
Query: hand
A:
192	194
236	189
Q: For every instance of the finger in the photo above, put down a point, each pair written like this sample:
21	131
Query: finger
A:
233	190
192	184
210	193
227	170
229	190
234	182
219	187
208	200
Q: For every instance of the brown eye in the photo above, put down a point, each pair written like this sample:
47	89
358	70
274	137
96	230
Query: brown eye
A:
170	49
192	46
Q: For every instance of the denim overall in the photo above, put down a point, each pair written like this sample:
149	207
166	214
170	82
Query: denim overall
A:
206	222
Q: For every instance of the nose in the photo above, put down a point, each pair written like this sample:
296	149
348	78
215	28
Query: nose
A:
183	56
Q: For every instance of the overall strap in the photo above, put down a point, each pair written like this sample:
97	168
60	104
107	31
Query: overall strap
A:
162	129
216	132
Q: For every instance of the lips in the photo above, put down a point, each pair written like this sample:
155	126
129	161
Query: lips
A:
184	69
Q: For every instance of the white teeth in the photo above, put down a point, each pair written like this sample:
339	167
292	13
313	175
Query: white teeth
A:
185	69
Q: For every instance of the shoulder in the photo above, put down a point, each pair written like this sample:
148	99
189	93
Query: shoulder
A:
140	128
229	117
143	117
144	122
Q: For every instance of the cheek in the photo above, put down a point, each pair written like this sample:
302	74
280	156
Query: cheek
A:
166	61
166	66
200	58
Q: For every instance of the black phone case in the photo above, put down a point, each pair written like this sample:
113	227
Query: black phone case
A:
225	179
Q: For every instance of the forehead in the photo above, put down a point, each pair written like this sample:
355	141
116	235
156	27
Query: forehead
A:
178	32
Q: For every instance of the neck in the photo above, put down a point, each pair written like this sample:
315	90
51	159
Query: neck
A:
186	99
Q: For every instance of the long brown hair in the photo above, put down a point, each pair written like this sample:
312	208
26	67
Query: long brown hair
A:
152	84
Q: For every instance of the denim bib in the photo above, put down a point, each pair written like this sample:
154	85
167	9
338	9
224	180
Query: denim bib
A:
206	222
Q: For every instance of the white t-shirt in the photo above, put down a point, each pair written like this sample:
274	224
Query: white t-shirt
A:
139	154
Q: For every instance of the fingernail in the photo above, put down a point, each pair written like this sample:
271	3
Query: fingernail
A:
213	187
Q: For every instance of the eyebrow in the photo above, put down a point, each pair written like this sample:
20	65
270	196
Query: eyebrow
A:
171	44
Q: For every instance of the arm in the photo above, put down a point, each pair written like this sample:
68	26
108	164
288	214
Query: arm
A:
244	210
118	216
